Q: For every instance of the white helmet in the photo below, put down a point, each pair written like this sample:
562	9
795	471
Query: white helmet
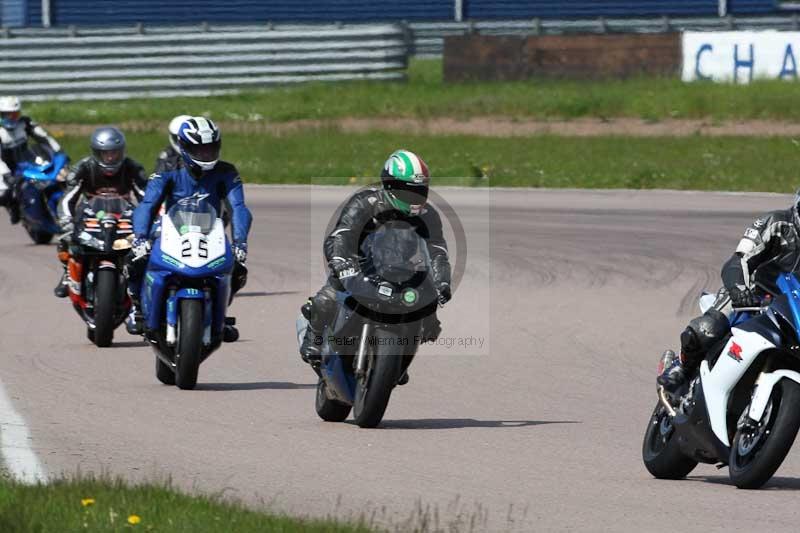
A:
10	111
174	126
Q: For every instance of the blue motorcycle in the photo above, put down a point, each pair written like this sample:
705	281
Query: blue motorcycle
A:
378	328
40	179
186	290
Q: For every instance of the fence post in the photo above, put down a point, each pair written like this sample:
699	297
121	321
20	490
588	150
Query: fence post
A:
46	21
537	26
458	14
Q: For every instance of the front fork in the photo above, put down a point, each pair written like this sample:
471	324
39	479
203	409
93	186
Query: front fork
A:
361	358
175	295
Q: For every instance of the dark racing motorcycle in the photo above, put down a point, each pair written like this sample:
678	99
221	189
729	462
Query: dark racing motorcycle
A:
97	286
378	326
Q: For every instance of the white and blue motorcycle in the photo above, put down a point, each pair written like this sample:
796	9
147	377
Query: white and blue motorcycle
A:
186	290
742	410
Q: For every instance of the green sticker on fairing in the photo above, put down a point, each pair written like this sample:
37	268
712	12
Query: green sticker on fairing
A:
410	296
101	215
215	263
184	229
171	260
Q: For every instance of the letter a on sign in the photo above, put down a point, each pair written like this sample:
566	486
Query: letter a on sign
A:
787	58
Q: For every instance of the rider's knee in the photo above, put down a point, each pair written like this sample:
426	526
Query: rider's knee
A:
703	332
320	307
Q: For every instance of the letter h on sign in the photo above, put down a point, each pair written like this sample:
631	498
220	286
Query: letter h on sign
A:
742	63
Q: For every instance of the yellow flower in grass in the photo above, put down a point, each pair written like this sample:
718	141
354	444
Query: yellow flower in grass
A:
134	519
86	502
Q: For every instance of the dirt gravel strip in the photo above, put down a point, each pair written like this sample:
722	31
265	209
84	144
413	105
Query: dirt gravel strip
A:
491	127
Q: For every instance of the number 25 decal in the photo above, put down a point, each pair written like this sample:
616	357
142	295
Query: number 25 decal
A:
202	248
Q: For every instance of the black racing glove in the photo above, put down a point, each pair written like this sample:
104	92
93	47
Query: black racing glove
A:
743	297
444	293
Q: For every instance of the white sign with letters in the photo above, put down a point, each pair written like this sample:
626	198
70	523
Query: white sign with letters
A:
740	56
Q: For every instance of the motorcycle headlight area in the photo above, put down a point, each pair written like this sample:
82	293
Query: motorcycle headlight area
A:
89	240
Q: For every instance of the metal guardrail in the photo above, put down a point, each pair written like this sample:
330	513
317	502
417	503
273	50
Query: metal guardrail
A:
114	64
428	37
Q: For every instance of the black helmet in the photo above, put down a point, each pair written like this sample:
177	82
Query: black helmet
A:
108	149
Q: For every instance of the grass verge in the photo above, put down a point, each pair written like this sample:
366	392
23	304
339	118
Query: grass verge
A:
102	505
426	96
702	163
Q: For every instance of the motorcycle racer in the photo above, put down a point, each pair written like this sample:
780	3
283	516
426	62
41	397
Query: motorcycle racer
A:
107	168
769	246
403	193
15	130
202	172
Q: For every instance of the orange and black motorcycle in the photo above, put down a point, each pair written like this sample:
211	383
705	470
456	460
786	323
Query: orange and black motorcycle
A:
97	287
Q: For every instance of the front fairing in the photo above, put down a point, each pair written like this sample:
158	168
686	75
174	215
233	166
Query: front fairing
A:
104	225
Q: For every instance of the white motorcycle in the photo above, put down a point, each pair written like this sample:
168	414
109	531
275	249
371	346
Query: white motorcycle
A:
742	409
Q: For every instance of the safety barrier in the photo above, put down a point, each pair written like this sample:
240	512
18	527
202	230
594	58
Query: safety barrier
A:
112	64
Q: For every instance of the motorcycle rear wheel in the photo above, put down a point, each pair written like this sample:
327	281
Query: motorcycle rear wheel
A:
164	373
660	452
40	237
327	409
757	452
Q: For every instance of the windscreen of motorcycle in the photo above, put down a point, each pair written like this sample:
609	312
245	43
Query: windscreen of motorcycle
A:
395	252
104	205
193	216
192	233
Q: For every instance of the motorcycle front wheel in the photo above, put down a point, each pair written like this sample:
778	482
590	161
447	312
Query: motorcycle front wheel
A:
105	302
373	389
190	343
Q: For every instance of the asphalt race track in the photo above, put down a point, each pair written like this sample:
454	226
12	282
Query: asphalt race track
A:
574	295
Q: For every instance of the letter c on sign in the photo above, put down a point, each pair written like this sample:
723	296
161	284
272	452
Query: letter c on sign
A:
705	48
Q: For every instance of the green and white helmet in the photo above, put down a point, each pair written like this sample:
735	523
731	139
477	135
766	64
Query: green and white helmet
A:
405	180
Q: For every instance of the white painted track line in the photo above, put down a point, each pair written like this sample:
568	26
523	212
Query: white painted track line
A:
15	444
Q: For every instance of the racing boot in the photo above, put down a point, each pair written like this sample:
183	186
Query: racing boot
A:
229	331
61	290
311	347
403	379
134	324
672	374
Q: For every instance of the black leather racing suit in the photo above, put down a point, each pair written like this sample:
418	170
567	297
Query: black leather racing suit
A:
168	159
363	214
87	178
770	246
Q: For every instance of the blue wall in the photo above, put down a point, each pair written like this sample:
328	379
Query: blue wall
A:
509	9
188	11
117	12
13	13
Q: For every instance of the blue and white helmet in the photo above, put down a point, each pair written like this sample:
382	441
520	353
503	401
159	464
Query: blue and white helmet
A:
200	141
